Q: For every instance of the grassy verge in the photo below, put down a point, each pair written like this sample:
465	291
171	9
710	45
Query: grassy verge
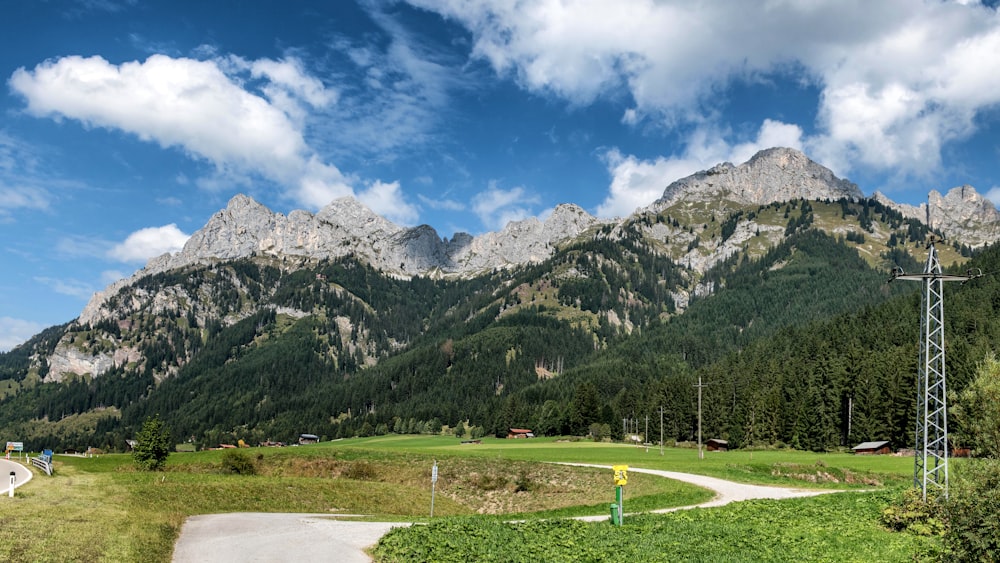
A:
839	527
102	509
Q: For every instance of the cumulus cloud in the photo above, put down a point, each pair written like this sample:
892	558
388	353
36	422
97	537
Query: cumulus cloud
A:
150	242
898	80
204	108
497	207
16	331
994	195
385	199
637	183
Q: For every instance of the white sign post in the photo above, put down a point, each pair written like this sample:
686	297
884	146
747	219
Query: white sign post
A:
434	480
13	476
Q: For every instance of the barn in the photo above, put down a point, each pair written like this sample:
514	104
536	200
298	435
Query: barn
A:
716	445
873	448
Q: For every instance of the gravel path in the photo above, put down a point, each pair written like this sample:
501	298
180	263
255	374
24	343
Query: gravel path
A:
302	538
725	491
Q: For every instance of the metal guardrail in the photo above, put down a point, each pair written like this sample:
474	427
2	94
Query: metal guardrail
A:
42	462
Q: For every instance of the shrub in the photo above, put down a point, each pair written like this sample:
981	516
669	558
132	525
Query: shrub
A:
235	461
972	508
360	471
913	514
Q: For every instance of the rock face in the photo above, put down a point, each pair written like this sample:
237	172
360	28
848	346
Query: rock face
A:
772	175
346	226
961	214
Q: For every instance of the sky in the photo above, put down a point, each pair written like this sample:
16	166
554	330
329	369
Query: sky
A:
125	125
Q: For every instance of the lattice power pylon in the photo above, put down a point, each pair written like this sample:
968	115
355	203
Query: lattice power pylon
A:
930	466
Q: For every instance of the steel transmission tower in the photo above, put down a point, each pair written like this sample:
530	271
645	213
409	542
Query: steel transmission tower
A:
930	466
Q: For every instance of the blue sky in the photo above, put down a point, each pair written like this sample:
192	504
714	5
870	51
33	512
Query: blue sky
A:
125	125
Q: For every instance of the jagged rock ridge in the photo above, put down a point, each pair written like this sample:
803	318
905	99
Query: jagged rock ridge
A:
777	174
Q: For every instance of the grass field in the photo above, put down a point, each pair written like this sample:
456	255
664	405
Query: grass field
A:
102	509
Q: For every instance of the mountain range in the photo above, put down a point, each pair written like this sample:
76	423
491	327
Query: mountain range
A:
734	254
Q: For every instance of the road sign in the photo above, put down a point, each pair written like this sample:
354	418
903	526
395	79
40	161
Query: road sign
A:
621	474
15	446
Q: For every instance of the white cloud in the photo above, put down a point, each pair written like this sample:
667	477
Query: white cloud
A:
387	200
199	107
444	203
898	80
994	195
150	242
16	331
22	197
637	183
497	207
67	286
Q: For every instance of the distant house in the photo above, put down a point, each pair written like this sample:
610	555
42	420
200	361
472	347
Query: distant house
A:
308	438
520	433
716	445
873	448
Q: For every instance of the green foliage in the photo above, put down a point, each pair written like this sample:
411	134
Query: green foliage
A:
152	445
841	527
911	513
977	410
237	462
971	510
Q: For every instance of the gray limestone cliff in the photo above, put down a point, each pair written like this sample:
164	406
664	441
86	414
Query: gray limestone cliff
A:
962	214
772	175
346	226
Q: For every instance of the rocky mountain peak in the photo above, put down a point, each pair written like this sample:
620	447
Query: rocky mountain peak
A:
961	214
776	174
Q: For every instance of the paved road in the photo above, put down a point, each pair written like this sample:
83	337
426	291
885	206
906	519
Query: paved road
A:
303	538
21	476
272	538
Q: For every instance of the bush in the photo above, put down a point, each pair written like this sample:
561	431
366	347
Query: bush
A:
235	461
914	514
360	471
972	508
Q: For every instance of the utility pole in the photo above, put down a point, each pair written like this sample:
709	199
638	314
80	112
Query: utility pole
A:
930	463
661	429
701	454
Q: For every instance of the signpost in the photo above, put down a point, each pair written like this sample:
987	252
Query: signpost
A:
621	479
13	476
434	480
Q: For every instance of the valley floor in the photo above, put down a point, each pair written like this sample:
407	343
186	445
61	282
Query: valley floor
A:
320	537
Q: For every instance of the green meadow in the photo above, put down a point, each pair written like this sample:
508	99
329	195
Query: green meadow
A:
103	509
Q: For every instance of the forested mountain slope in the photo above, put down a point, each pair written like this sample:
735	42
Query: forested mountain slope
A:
614	324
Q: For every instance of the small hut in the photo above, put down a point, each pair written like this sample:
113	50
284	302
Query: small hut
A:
873	448
716	445
520	433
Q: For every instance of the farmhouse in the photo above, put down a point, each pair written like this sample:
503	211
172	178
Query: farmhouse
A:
308	439
716	445
520	433
873	448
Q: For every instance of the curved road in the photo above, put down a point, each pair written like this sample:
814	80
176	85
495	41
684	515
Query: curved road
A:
21	476
300	538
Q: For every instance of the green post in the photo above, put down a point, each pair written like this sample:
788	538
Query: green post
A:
618	501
